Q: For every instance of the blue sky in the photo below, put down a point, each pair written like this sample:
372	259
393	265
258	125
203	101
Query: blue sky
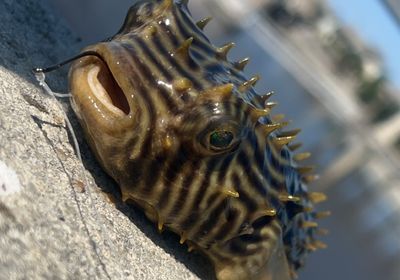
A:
375	25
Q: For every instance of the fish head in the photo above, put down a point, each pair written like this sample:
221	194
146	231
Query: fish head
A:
134	113
126	117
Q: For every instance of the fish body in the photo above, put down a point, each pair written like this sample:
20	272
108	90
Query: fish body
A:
188	139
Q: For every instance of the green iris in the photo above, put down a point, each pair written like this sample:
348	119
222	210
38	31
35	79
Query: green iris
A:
221	139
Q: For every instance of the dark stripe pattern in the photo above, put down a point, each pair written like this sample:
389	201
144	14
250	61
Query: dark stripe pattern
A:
218	200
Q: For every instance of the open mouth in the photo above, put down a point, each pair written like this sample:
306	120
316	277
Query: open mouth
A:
106	89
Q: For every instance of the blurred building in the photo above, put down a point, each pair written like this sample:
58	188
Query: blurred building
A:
394	8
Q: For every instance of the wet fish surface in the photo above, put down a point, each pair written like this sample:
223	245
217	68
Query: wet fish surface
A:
188	139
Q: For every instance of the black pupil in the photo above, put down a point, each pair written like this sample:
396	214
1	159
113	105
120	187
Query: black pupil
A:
221	139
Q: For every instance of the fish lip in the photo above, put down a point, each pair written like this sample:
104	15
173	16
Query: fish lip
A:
105	85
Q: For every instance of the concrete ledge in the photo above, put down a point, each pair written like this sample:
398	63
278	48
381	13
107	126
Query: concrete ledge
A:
53	226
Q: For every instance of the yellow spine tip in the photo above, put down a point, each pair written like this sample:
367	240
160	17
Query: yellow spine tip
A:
310	178
203	22
317	197
279	117
182	84
279	142
255	113
269	128
324	214
308	209
322	231
309	224
302	156
305	169
295	146
320	244
167	4
160	225
230	193
225	89
288	133
125	197
248	84
271	104
270	212
311	247
293	274
183	50
241	64
221	92
150	31
183	238
287	198
222	52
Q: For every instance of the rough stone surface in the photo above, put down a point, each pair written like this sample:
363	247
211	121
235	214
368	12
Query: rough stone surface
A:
60	225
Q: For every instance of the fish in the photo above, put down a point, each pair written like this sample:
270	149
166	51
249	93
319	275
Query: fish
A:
188	140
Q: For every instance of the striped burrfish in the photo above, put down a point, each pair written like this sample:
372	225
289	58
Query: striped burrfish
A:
189	140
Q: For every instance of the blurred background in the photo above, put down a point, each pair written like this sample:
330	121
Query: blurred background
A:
335	68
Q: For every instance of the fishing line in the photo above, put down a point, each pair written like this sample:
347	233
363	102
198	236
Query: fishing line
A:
65	62
41	78
40	72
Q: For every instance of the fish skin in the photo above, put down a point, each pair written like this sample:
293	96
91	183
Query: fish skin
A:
152	103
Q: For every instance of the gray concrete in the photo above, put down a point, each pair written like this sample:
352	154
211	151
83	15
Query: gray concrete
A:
56	226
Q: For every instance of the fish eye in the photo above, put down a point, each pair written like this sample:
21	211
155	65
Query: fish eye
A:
220	139
219	136
215	134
